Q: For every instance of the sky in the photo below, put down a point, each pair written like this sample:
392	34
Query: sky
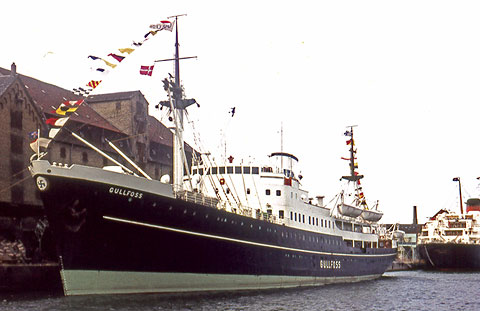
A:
407	73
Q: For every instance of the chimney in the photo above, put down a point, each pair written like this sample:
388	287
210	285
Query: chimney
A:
415	221
13	71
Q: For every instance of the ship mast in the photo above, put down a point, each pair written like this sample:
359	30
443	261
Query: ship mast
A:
177	106
353	175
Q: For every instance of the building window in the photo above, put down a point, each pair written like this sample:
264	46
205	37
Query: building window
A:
267	191
16	144
279	193
303	218
248	190
221	170
229	169
281	214
255	170
16	119
238	169
84	157
63	153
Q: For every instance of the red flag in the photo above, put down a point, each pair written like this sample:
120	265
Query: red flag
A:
146	70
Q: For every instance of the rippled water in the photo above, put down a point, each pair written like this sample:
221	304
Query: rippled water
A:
405	290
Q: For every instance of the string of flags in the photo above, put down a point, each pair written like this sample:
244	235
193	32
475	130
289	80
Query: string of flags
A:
359	195
113	59
63	113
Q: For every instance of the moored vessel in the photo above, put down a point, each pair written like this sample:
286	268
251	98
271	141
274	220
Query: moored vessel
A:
450	240
219	226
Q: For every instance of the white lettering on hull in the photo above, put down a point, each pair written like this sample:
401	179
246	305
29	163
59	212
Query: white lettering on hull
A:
125	192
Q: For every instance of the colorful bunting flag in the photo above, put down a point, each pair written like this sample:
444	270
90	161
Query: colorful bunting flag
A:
40	143
93	84
146	70
33	136
117	57
57	121
109	64
163	25
126	50
68	107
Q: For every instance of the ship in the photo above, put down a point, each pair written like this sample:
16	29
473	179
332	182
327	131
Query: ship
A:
217	226
450	240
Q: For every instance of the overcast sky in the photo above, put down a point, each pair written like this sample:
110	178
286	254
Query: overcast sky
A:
406	72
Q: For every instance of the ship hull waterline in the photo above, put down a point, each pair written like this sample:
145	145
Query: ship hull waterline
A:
117	239
451	256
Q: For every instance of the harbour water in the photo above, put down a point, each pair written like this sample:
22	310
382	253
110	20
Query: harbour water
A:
402	290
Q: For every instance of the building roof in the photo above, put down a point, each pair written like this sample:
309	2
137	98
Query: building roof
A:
92	99
5	82
48	97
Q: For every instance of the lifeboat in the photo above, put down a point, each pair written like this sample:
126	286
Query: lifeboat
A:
371	215
349	210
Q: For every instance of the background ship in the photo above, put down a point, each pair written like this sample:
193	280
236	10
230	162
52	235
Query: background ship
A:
451	240
218	226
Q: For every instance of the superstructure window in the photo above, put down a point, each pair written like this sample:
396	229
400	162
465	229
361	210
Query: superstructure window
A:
267	191
291	215
214	170
221	170
246	169
255	170
279	193
238	169
281	214
229	169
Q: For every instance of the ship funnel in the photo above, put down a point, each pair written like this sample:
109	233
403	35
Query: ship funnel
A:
415	220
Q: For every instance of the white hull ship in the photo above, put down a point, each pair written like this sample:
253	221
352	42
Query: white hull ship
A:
227	226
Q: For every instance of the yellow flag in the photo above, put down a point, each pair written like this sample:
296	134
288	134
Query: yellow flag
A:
109	64
126	50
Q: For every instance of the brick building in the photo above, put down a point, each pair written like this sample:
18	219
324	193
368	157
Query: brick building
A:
25	104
